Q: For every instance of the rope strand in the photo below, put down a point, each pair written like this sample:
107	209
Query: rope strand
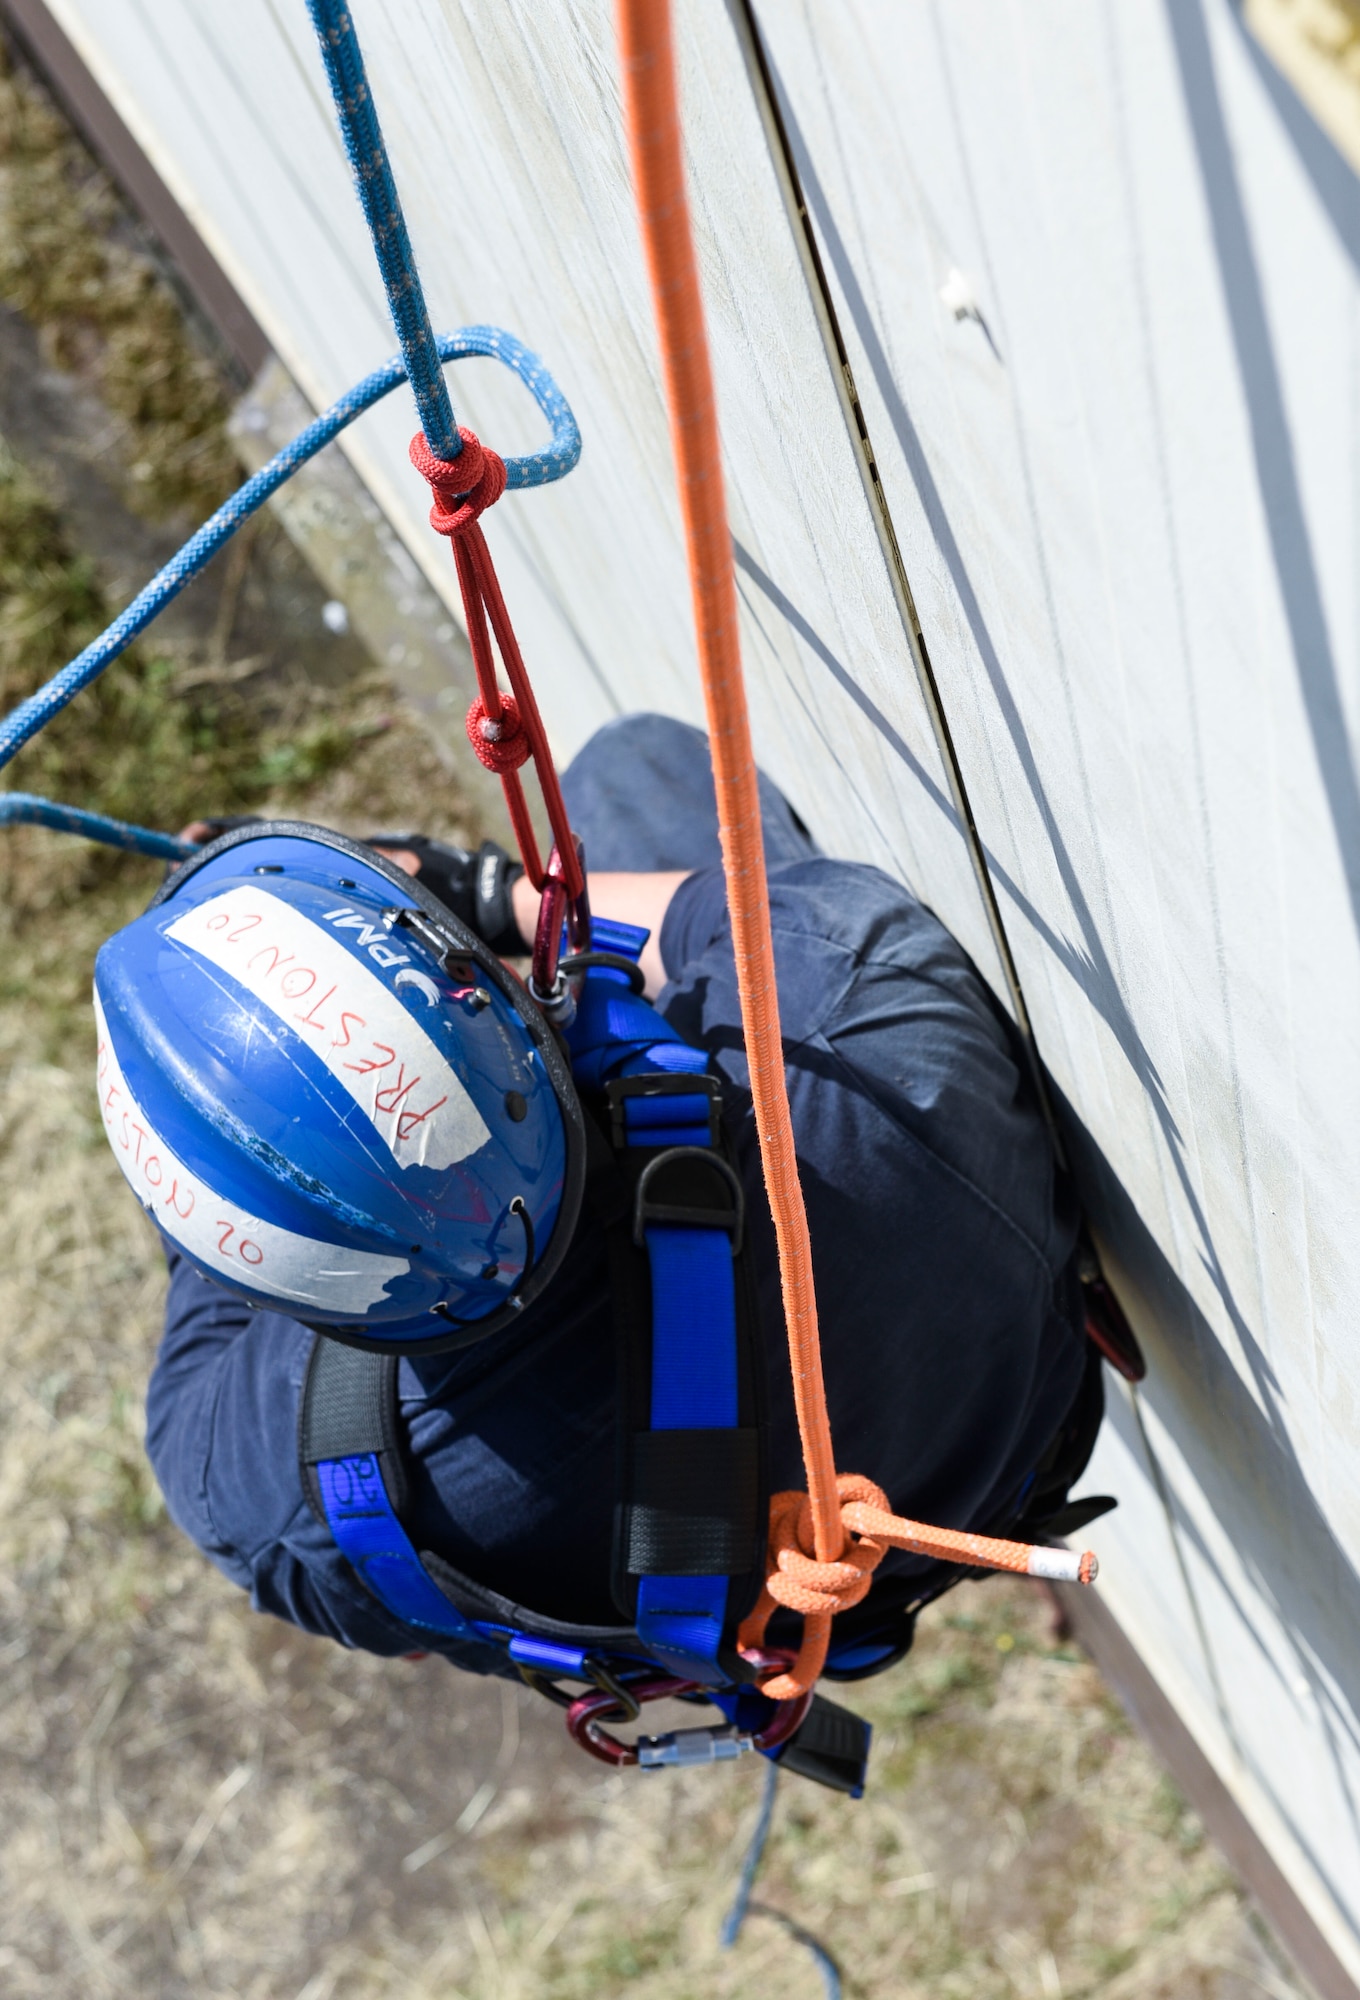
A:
825	1544
359	127
533	469
658	174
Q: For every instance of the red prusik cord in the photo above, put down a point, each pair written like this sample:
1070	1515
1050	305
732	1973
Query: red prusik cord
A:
505	730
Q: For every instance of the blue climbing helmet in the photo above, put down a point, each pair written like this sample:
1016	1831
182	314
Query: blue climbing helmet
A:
333	1098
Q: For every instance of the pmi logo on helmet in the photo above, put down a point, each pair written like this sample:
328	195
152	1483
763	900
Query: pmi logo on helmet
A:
370	936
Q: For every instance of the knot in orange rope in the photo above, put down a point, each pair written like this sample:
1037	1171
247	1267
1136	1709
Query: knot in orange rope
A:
501	743
463	487
797	1580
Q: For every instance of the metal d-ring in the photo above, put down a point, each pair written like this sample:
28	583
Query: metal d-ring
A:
624	1708
607	961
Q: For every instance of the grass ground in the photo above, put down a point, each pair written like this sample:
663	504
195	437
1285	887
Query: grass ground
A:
199	1802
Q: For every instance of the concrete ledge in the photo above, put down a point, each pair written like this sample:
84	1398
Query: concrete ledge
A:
336	525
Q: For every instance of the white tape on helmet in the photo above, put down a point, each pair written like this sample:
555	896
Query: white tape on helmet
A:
242	1248
330	999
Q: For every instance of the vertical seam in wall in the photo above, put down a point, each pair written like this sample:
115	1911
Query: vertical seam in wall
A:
824	308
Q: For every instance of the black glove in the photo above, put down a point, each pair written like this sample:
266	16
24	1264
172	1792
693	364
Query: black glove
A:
476	887
215	829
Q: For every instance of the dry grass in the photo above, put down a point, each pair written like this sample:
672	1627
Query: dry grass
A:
202	1803
73	262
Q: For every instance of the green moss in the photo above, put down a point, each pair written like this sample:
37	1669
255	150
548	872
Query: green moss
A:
71	263
143	742
1108	1961
625	1957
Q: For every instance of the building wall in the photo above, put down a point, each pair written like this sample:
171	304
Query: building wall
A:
1095	268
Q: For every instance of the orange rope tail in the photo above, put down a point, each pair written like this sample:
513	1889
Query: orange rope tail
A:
812	1569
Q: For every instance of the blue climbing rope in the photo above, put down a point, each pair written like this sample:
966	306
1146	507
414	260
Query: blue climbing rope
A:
355	109
421	363
24	807
534	469
755	1854
742	1906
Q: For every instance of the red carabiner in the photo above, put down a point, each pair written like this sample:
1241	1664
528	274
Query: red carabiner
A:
589	1712
559	906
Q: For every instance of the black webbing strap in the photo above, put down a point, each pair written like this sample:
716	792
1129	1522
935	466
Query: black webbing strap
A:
349	1407
691	1502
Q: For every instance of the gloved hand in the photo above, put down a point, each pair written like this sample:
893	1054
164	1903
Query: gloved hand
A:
476	887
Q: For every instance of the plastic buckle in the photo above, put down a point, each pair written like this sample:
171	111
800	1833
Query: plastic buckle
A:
668	1083
830	1746
690	1214
687	1747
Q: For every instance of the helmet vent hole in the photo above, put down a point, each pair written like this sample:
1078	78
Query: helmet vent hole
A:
343	882
516	1106
269	868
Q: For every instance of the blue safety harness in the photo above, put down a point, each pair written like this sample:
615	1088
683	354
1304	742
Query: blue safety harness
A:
693	1497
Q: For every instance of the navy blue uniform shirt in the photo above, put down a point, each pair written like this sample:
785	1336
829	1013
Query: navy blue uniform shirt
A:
942	1245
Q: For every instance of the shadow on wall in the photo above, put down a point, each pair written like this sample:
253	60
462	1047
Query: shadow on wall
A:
1086	957
1231	1432
1252	1482
1263	392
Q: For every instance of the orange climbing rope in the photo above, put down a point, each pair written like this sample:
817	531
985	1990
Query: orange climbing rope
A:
824	1544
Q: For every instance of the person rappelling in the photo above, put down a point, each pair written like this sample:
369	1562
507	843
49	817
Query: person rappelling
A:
351	1122
484	1288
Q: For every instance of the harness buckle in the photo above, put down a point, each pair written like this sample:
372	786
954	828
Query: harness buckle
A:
693	1210
661	1084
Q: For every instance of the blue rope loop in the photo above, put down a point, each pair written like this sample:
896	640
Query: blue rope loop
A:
743	1906
23	808
362	133
532	469
421	362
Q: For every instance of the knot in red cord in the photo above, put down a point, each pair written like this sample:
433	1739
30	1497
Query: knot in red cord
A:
797	1580
502	745
463	487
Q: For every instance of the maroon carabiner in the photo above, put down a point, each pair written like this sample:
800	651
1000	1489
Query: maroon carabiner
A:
587	1715
788	1716
589	1711
557	906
